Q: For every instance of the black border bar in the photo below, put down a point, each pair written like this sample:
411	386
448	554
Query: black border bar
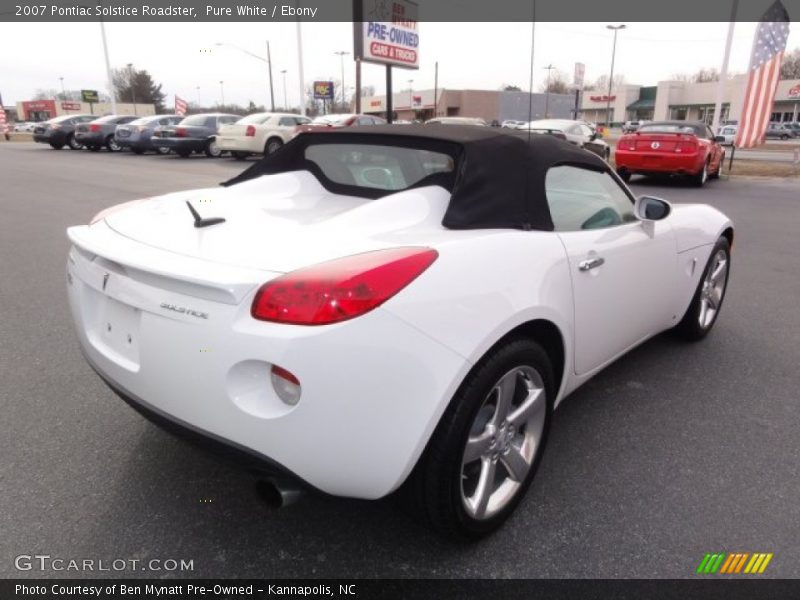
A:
475	11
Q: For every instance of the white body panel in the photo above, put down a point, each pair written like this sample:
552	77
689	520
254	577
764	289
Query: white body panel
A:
162	311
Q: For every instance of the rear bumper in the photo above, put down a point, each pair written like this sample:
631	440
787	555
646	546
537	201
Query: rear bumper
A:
181	144
50	137
373	388
644	162
90	138
239	144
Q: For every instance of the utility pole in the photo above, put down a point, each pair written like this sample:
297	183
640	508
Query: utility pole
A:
723	72
358	86
549	68
63	92
222	93
300	69
285	104
342	54
269	66
199	104
132	85
615	29
108	68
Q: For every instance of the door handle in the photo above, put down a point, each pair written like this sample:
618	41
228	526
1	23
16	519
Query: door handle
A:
591	263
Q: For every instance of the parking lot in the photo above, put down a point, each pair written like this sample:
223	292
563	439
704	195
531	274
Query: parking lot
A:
674	451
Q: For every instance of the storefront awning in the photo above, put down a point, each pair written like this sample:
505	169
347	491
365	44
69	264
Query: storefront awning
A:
642	104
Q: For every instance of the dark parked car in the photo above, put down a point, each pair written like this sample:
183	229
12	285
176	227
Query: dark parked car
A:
138	135
100	132
60	132
195	133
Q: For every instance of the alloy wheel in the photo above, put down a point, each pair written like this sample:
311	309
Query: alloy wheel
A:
503	441
713	289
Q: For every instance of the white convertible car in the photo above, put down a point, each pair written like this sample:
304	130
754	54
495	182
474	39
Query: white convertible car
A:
381	309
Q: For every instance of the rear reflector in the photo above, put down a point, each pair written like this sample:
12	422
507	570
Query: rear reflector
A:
94	127
180	132
340	289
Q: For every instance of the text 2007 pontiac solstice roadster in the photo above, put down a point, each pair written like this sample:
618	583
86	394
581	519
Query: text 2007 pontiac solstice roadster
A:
391	308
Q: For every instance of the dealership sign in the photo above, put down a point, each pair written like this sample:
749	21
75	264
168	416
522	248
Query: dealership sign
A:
794	92
90	96
602	98
70	105
386	32
323	90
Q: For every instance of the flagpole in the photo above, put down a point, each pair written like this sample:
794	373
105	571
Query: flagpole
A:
723	72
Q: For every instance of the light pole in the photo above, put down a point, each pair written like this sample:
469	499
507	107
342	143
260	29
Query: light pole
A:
411	96
198	96
285	104
267	60
63	93
615	29
132	86
547	90
342	54
222	92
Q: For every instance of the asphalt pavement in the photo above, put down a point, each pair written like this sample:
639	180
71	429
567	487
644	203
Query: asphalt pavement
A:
674	451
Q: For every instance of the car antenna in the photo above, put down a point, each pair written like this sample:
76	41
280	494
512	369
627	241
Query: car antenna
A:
200	221
530	82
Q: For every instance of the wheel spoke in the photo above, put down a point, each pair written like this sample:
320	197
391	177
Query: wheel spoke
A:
703	312
515	463
505	396
531	405
719	270
477	447
484	489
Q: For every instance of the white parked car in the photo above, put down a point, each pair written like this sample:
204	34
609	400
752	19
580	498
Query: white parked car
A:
457	121
381	308
728	132
26	127
580	133
259	133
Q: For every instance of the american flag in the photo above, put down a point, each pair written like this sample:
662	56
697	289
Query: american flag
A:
764	72
180	106
3	123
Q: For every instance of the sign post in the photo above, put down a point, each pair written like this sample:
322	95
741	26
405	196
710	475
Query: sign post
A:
386	33
324	90
91	97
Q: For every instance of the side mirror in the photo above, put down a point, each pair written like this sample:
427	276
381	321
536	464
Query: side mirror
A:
719	138
593	137
650	208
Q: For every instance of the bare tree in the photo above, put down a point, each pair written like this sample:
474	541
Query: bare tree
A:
790	68
601	83
559	83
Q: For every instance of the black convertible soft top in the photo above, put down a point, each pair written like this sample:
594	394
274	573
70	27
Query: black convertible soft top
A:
499	178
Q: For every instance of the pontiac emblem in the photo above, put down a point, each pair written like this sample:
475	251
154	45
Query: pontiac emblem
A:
105	281
655	145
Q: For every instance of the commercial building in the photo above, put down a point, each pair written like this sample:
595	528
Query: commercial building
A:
684	100
490	105
42	110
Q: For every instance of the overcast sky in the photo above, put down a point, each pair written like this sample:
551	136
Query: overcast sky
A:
183	56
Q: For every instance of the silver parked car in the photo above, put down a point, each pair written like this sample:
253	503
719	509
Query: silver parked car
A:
579	133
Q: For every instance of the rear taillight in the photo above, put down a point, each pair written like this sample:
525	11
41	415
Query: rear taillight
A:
627	144
251	131
686	147
94	127
340	289
180	132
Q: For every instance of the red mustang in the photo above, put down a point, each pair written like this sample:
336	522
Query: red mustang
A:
686	148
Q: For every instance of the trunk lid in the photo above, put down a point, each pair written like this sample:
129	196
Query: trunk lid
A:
662	142
282	222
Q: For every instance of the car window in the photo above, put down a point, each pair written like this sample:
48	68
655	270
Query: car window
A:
375	166
364	121
586	130
225	119
287	122
583	199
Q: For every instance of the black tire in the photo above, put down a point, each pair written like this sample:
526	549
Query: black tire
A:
73	143
112	145
784	136
163	150
94	148
699	179
212	150
56	146
183	153
716	173
690	327
273	144
607	154
624	175
434	489
240	155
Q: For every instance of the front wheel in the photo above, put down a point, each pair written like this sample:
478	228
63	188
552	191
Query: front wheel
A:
273	145
624	175
56	146
112	144
212	149
784	137
707	300
487	446
163	150
73	143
